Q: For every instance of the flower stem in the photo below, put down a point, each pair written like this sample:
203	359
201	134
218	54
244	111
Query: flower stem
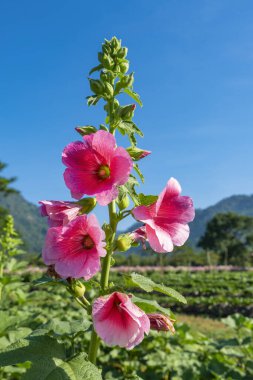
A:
94	343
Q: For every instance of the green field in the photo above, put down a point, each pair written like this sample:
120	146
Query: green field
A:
214	293
203	347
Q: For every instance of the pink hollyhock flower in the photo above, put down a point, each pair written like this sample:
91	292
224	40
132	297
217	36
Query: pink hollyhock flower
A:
160	322
95	166
166	219
75	249
59	212
118	321
139	235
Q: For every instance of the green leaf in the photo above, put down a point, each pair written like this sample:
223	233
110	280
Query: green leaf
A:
103	127
129	127
148	285
93	99
32	348
65	328
150	306
133	95
130	189
138	171
147	200
96	68
77	368
49	280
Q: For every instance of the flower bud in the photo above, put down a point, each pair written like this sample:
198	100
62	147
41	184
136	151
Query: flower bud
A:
123	203
115	43
78	288
87	130
123	243
106	48
106	76
87	204
122	53
136	153
96	86
160	322
126	81
108	90
127	112
124	66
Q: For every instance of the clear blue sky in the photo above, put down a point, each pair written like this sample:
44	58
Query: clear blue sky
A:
193	63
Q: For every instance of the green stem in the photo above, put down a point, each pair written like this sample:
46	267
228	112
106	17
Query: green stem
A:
94	343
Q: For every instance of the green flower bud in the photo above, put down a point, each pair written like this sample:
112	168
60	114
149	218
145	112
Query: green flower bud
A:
86	130
96	86
124	66
123	203
115	43
108	90
137	153
87	204
107	76
128	80
106	48
78	288
126	112
107	62
123	243
122	53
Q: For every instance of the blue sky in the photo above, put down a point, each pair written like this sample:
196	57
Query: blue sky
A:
193	64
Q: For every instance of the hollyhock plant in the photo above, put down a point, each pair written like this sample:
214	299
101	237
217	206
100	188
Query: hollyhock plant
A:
59	213
96	166
166	220
75	243
118	321
75	249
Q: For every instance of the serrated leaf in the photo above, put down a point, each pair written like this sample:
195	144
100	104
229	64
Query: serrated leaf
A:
130	188
150	306
133	95
138	171
129	127
148	285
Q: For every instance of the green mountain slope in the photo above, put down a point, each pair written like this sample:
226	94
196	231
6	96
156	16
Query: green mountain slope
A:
28	221
33	228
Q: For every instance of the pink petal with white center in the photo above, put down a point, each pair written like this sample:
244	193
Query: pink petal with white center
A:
118	321
65	247
159	240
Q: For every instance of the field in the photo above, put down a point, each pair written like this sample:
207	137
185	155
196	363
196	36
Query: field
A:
204	347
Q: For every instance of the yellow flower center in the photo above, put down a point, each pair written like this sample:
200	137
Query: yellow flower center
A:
104	172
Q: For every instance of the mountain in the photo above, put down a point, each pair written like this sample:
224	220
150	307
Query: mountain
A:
33	228
240	204
28	222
